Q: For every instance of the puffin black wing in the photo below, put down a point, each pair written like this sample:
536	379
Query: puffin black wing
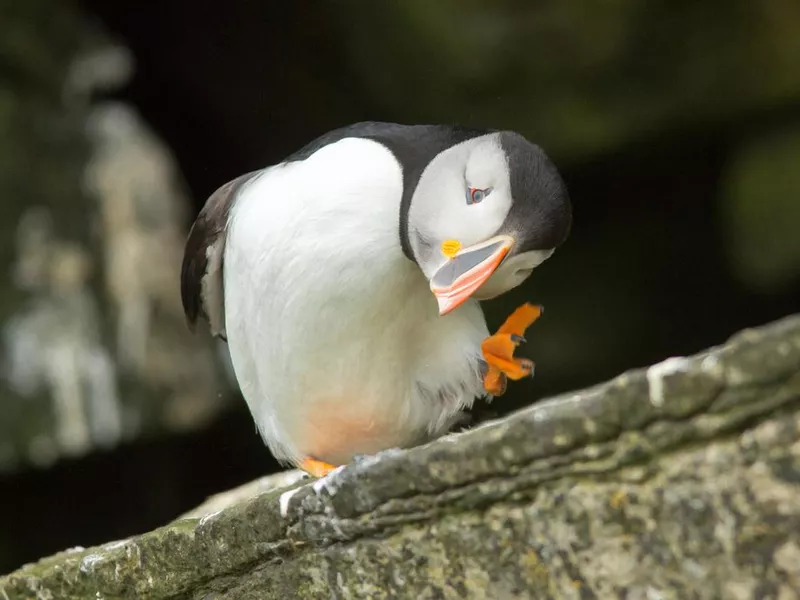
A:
201	272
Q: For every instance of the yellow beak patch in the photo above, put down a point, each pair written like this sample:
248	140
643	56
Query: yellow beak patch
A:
450	248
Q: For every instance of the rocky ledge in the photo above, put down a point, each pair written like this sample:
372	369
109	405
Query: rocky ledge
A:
681	480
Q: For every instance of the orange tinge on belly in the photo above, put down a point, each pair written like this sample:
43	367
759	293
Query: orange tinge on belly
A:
333	432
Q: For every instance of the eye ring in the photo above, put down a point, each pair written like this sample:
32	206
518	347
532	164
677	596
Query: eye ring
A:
477	195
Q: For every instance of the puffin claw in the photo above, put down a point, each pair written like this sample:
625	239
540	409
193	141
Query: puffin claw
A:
528	365
483	367
517	339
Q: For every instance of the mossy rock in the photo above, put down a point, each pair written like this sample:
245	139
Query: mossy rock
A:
681	480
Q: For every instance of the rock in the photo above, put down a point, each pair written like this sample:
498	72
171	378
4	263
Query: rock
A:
681	480
93	348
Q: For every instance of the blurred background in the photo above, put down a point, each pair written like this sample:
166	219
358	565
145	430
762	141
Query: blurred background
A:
676	126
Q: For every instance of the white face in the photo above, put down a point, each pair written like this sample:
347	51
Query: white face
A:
440	210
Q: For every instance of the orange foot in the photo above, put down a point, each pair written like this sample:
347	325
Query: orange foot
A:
316	468
498	350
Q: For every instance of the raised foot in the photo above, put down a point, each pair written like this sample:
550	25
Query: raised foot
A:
498	350
316	468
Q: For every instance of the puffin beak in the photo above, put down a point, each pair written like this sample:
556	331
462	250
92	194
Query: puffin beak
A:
461	275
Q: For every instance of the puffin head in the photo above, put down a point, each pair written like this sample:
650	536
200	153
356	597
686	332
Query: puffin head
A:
484	214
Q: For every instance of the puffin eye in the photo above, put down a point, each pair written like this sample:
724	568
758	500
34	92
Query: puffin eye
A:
476	195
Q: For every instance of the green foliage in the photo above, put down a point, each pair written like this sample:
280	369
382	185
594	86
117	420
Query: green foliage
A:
580	77
760	210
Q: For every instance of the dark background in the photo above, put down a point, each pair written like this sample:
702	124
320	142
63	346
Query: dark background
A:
676	126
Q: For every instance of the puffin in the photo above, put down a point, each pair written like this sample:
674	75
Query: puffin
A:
346	281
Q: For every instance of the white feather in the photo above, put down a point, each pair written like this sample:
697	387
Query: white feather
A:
334	334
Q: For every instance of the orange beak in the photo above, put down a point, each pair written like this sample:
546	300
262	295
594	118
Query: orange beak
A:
467	271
